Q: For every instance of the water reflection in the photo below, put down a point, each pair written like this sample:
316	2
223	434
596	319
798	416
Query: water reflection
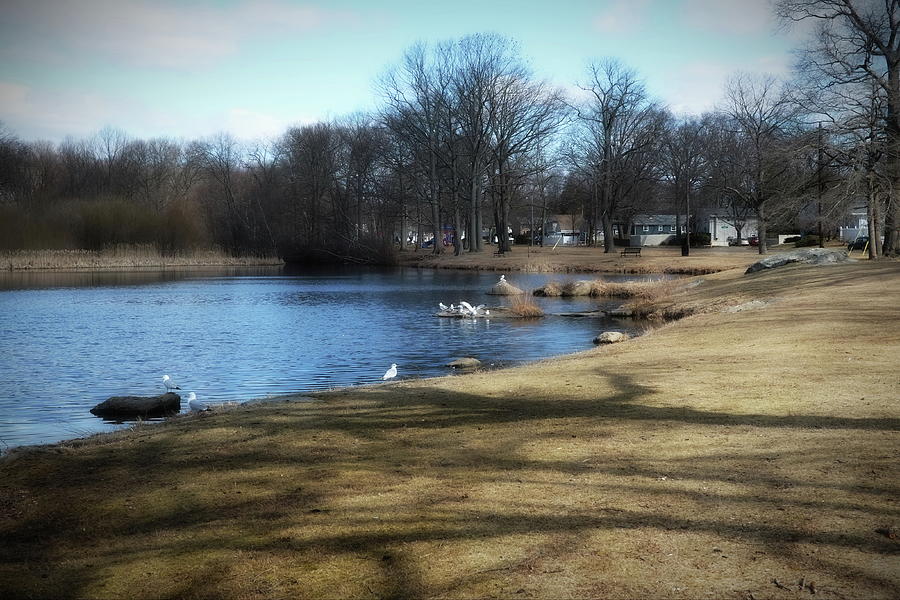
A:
70	340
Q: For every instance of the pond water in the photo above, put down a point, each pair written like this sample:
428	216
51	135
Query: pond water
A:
70	340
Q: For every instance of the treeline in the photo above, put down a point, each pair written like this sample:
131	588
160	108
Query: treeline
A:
468	141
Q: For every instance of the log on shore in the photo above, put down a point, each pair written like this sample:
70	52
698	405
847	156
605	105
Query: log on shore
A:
139	406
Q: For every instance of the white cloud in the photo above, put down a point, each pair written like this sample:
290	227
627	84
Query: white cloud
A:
699	86
621	16
152	33
744	17
249	124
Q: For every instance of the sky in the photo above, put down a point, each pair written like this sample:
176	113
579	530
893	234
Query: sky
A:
189	69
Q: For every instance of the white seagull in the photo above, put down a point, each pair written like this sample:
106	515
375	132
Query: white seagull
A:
443	306
391	373
502	279
468	307
170	385
196	405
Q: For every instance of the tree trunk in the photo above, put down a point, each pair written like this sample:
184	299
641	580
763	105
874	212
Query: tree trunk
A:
872	216
436	247
403	224
686	240
607	233
457	229
761	215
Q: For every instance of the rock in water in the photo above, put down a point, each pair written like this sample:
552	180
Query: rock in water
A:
466	362
813	256
504	288
578	288
610	337
139	406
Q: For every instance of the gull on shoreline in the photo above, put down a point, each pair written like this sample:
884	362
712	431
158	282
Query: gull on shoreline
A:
196	405
391	373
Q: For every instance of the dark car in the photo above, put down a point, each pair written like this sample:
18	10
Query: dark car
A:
753	240
859	243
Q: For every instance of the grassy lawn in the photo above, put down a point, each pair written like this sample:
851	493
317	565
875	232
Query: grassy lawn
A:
729	454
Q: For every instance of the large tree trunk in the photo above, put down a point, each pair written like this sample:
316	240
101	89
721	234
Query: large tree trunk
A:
474	217
608	241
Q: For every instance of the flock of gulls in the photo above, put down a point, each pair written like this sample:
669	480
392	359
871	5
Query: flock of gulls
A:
463	308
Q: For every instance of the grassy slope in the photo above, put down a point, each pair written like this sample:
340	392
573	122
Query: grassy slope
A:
706	459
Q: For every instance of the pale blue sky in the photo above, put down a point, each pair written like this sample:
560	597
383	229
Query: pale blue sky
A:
189	69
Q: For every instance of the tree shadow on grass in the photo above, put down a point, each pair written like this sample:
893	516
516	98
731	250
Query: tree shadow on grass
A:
353	493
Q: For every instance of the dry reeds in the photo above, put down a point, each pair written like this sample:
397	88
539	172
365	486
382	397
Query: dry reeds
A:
123	256
522	306
649	290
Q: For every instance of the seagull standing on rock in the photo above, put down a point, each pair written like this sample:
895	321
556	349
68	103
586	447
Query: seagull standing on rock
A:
170	385
391	373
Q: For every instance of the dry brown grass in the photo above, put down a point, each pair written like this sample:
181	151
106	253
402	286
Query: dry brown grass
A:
523	306
122	257
653	260
707	460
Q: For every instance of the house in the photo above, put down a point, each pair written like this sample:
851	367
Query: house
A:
721	229
563	230
856	225
653	230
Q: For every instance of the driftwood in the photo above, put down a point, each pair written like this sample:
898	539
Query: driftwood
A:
139	406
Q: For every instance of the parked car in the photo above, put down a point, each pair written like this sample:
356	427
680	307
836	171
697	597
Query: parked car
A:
859	243
753	240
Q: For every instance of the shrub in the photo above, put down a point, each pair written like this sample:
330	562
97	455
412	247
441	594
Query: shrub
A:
552	288
698	239
791	239
522	306
807	240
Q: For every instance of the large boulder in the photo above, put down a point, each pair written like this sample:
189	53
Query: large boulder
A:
139	406
504	288
812	256
467	362
611	337
581	287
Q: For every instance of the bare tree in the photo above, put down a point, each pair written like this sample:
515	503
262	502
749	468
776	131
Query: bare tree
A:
619	125
416	93
685	163
763	116
857	41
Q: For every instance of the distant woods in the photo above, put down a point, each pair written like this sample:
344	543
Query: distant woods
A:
469	148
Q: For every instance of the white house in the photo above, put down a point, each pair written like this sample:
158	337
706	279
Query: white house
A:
721	229
857	224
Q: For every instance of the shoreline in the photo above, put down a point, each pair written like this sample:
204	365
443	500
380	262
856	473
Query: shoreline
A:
710	456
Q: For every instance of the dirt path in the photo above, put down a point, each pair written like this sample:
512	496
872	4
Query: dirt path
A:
732	454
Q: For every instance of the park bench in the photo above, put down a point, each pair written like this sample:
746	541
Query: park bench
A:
631	251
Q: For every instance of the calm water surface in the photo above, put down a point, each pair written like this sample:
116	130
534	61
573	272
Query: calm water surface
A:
70	340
